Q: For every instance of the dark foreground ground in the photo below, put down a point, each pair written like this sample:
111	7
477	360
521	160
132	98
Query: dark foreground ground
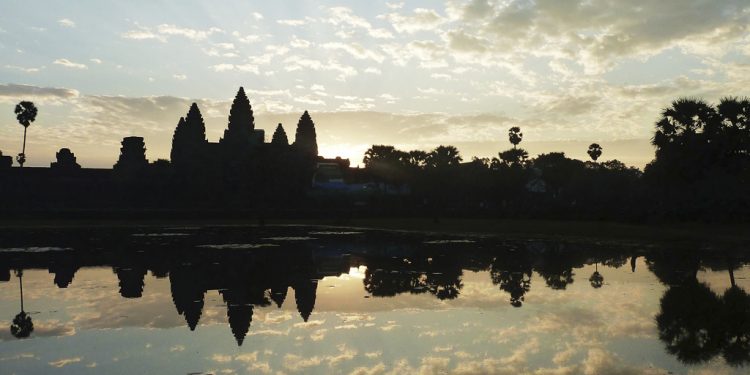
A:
695	233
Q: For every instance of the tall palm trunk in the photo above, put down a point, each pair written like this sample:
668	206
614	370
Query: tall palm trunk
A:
22	159
20	284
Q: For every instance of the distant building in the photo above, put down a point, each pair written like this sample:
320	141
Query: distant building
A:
328	175
132	156
5	161
66	160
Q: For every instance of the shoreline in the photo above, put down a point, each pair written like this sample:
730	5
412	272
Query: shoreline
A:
733	233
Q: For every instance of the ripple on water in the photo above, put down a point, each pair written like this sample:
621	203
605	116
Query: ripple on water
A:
40	249
159	234
238	246
290	238
449	241
324	233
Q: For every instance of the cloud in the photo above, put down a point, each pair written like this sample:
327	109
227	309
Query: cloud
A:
596	33
295	63
142	34
375	370
355	50
65	361
12	93
299	43
179	77
192	34
163	31
345	18
250	38
65	22
257	16
294	362
420	19
23	69
69	64
225	67
298	22
96	61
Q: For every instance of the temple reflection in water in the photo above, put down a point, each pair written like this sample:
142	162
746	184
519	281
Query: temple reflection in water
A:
256	268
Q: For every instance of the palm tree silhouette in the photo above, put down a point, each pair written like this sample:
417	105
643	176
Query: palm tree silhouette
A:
22	325
595	151
596	279
25	114
515	136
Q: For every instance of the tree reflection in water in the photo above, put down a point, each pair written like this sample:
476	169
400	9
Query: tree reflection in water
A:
695	323
596	279
22	326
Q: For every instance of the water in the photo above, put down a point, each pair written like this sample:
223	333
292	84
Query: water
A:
333	300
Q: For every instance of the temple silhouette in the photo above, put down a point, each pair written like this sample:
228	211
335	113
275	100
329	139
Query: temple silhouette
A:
701	172
240	171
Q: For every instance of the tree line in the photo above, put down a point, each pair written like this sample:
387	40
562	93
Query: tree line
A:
701	170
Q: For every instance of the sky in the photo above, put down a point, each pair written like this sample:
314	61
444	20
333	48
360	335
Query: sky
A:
414	74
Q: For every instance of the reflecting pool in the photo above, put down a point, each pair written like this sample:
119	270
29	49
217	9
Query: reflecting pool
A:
294	299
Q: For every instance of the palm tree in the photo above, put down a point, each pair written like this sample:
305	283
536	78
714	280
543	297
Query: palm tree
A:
595	151
25	114
514	156
22	325
596	279
443	156
515	136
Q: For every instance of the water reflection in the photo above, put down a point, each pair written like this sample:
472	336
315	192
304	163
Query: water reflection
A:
695	323
22	325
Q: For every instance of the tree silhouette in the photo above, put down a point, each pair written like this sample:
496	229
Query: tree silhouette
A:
279	138
25	114
442	157
514	282
736	319
386	164
596	279
686	118
514	156
22	326
702	159
305	140
512	273
515	136
689	322
595	151
416	158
